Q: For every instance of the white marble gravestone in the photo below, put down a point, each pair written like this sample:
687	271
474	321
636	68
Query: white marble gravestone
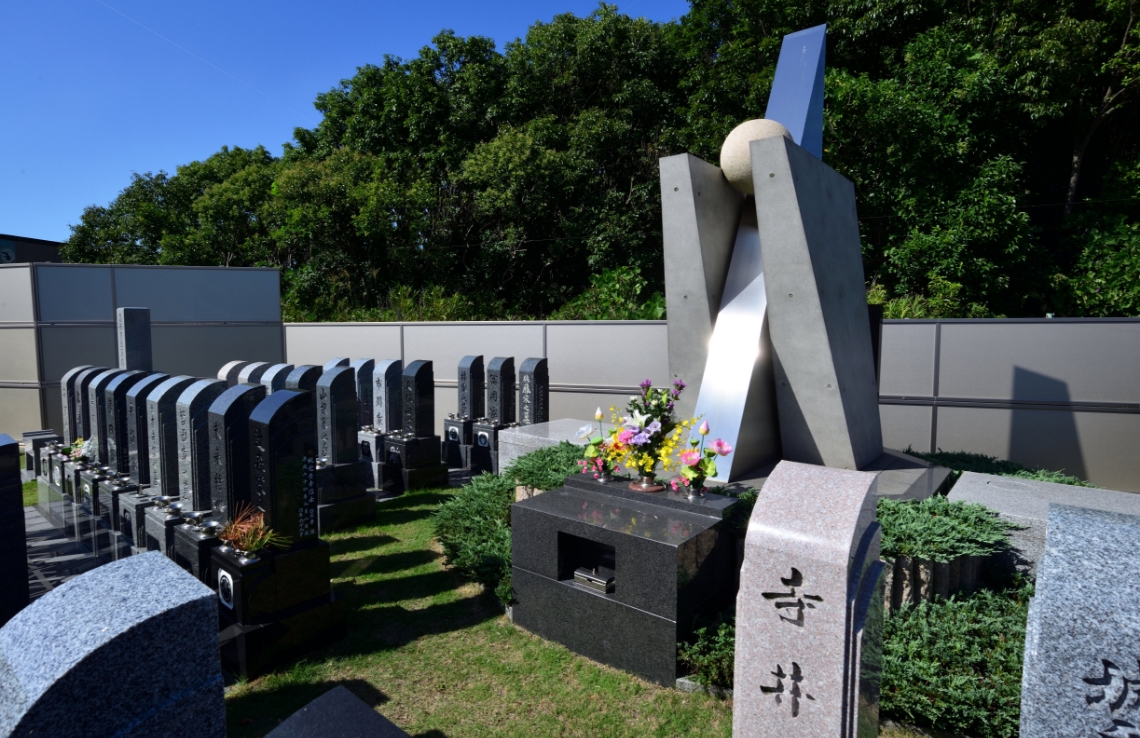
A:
809	609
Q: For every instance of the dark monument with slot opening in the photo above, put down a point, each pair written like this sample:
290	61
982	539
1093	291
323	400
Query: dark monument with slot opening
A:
458	436
341	473
500	414
412	454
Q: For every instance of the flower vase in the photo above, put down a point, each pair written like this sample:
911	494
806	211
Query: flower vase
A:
604	476
646	483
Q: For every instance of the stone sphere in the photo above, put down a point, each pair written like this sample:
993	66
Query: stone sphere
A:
736	160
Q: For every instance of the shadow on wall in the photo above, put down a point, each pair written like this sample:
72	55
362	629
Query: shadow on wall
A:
1044	439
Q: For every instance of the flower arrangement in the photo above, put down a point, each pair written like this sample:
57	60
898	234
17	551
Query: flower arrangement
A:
247	532
78	450
602	453
649	428
698	462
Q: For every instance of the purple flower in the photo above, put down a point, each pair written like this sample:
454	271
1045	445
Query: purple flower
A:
640	439
653	427
679	384
646	384
670	406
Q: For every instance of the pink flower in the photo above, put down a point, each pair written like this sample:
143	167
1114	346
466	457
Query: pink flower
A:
704	429
690	458
721	447
625	436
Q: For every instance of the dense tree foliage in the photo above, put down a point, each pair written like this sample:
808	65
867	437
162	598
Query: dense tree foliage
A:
994	146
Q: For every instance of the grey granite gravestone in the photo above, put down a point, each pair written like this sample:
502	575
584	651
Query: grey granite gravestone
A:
252	373
137	437
82	408
118	447
231	371
274	377
387	396
340	713
534	392
70	403
337	415
97	413
229	448
132	327
333	363
1025	502
13	550
810	607
501	390
192	411
303	377
472	388
1081	672
363	369
162	434
826	394
93	657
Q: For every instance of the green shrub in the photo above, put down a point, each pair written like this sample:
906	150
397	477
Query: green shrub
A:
956	664
961	461
710	653
742	511
546	468
474	530
938	529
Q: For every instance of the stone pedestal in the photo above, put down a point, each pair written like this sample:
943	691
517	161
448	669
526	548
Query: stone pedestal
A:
809	609
372	454
343	500
192	549
458	439
485	446
132	519
160	522
412	462
668	565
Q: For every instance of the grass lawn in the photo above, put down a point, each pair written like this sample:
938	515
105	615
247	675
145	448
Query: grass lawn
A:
440	659
31	493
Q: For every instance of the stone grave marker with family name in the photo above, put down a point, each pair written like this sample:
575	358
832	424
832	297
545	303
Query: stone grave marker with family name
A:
97	409
70	403
303	377
118	445
341	474
229	448
82	407
418	383
458	427
154	524
363	369
283	462
231	371
1081	673
500	414
412	455
274	377
534	392
13	552
253	373
132	327
809	608
387	405
137	436
193	409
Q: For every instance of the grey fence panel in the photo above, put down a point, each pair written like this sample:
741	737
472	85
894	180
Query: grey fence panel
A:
444	344
200	350
204	294
907	426
16	302
74	292
66	346
19	410
589	355
908	354
316	343
18	355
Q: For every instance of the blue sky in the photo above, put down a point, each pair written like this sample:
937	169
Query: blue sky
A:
89	96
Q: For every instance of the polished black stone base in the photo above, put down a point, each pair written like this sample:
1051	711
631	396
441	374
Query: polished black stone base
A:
252	650
159	528
457	442
397	480
347	513
192	550
485	447
132	519
709	503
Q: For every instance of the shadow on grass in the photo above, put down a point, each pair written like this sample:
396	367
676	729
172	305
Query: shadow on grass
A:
395	626
394	562
360	543
258	713
415	587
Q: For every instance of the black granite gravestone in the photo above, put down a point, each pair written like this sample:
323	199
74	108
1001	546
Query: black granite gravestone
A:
13	551
412	455
229	448
303	377
70	403
500	414
418	385
138	453
193	411
118	446
82	408
534	392
231	371
97	413
158	520
341	484
387	389
457	435
274	377
283	462
334	363
252	373
364	369
132	326
34	441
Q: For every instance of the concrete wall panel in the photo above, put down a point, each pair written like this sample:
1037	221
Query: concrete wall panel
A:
18	355
445	345
52	406
75	293
906	426
316	343
600	353
19	410
1047	361
67	346
200	350
907	365
191	295
16	303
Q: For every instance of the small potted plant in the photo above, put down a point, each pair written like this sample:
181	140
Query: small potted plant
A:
247	534
698	462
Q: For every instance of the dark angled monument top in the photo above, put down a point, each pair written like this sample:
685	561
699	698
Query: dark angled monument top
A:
132	327
283	462
364	369
229	447
138	453
192	412
274	377
387	388
97	411
334	363
534	392
472	387
501	390
69	403
231	371
337	416
303	377
419	399
82	409
115	428
252	373
162	434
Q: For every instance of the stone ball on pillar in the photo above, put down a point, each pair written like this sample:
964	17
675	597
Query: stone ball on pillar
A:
735	159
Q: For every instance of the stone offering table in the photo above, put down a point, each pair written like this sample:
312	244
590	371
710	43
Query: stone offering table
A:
671	560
